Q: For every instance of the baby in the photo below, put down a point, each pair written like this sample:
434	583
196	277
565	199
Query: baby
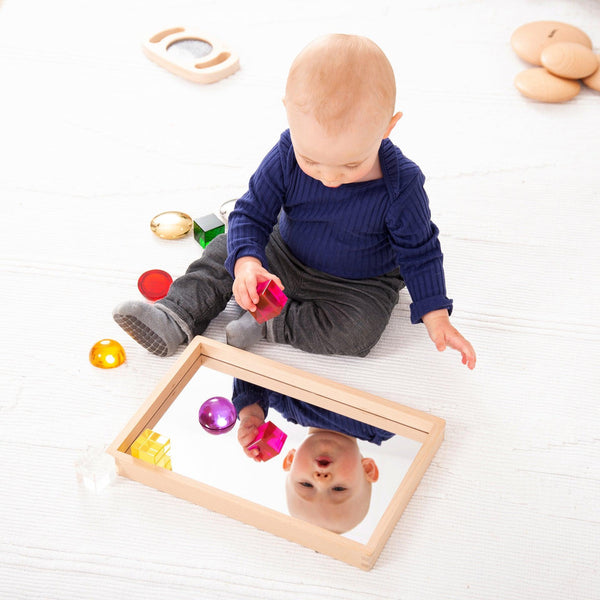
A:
329	482
335	212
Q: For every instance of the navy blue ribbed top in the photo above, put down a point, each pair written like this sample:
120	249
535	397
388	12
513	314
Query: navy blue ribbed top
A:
355	231
303	413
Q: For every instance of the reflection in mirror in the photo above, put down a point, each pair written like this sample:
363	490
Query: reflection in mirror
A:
190	48
315	454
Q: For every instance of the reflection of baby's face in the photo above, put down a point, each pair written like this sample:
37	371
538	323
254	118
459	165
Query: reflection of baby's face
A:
329	483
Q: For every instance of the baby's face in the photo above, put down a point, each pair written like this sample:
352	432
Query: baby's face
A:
329	483
334	159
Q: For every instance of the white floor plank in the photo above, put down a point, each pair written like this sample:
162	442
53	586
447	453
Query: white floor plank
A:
95	140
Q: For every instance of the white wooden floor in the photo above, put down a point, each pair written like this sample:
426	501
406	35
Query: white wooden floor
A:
95	140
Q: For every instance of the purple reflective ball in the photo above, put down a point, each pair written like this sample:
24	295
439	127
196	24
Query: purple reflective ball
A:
217	415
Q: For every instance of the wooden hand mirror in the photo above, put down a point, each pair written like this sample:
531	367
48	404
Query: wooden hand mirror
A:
191	54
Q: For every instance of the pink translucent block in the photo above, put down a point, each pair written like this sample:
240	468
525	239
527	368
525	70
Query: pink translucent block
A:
271	301
269	440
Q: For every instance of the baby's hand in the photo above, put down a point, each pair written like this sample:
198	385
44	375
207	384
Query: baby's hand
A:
249	272
443	334
247	432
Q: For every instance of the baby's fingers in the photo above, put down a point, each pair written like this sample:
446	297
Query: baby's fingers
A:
440	341
470	359
278	281
247	433
244	296
254	454
252	294
468	354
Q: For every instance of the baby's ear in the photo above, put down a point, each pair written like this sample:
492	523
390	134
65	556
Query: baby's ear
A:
289	459
392	124
371	470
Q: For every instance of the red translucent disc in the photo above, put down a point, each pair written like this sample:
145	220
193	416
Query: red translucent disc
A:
154	284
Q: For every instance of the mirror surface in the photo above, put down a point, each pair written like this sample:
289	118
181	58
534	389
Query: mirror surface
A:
219	460
190	48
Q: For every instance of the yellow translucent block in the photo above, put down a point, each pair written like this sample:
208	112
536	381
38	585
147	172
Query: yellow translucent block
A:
166	464
153	448
107	354
154	451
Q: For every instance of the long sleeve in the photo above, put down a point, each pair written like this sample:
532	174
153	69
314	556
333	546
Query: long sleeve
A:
246	393
256	212
414	238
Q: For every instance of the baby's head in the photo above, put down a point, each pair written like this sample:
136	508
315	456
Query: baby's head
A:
340	98
329	482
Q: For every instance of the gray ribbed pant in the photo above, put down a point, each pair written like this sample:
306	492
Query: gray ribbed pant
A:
324	314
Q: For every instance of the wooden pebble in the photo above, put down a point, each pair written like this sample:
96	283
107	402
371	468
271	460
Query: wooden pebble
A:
593	81
530	39
539	84
569	59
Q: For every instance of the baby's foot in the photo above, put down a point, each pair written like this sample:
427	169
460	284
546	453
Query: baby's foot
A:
245	331
150	327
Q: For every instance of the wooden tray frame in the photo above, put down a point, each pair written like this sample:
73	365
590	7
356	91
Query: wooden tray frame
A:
203	352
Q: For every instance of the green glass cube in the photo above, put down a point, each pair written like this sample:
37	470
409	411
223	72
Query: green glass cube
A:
207	228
